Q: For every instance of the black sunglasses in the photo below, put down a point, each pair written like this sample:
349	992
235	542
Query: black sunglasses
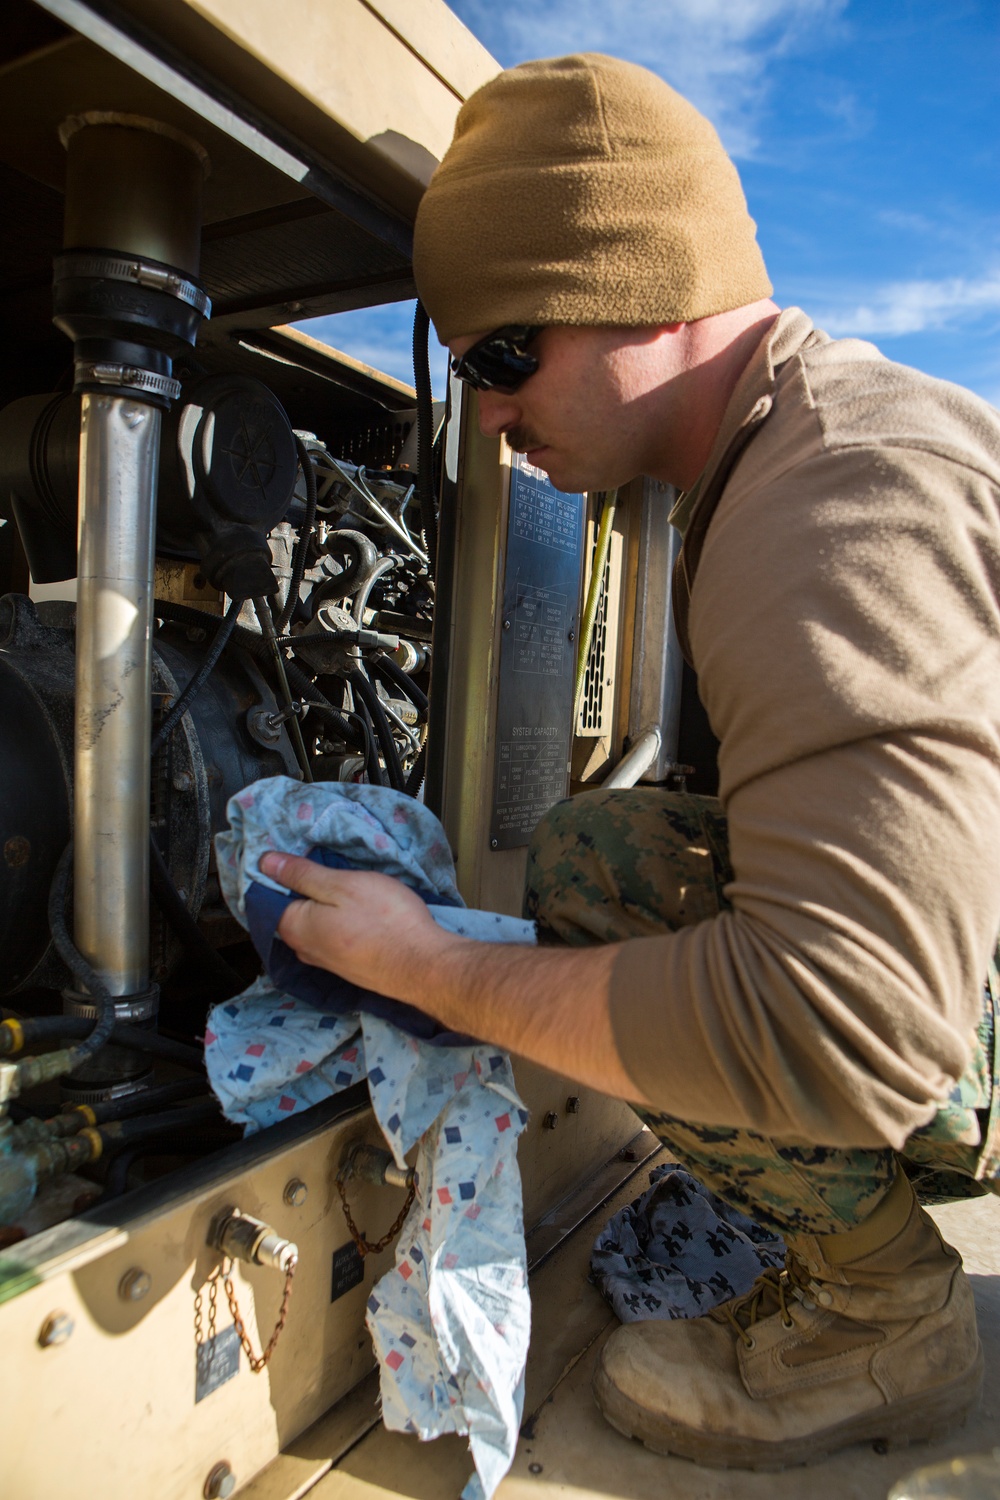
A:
500	361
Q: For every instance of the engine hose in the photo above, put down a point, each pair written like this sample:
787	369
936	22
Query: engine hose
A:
197	682
170	902
147	1099
376	776
257	647
415	780
365	732
191	1143
425	433
391	672
33	1029
301	552
369	697
310	693
124	1132
85	976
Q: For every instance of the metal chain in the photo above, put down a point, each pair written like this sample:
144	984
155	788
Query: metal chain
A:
257	1361
366	1247
213	1298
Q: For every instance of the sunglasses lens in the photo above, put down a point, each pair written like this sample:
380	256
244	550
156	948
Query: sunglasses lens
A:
498	362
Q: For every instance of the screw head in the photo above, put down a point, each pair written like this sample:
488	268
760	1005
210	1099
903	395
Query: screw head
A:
506	624
573	1104
295	1193
221	1482
57	1328
550	1121
135	1284
571	635
494	843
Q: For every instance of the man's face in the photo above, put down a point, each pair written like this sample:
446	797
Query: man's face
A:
584	416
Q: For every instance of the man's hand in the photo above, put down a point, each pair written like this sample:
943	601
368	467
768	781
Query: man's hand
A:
548	1004
368	928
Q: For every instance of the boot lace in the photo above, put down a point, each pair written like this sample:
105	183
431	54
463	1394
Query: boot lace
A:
770	1294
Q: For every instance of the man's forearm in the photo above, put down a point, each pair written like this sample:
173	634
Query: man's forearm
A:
550	1005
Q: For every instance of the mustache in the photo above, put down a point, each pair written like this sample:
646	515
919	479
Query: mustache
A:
522	439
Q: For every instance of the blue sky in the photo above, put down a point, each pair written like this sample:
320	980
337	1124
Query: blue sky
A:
867	134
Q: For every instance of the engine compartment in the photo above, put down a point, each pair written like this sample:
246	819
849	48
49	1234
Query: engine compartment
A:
247	600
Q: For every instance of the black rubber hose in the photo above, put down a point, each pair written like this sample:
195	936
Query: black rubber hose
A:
146	1099
415	780
180	707
86	978
124	1132
45	1028
301	552
425	434
259	649
171	904
364	729
310	693
190	1143
391	672
370	698
376	776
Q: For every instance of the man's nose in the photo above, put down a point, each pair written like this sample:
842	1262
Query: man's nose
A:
497	412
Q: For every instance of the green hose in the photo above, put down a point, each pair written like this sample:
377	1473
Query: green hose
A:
594	594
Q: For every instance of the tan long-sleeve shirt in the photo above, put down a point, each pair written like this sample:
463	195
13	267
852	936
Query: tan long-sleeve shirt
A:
844	621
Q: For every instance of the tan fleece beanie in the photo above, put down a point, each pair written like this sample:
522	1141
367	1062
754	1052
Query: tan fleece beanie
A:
583	190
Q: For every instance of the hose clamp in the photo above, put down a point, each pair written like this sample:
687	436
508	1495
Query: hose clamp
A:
142	382
138	273
130	1010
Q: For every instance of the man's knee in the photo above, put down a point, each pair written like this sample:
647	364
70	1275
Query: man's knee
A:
609	865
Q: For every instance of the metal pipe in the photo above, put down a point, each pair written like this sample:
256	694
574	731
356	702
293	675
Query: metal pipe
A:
638	760
119	452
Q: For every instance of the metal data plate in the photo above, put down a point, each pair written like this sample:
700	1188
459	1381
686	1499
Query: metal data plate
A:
537	653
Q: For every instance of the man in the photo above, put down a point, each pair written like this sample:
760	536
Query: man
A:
790	984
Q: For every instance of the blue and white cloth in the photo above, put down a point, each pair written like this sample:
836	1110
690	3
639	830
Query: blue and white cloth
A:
450	1323
678	1251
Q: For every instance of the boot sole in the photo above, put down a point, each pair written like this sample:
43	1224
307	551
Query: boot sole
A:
914	1419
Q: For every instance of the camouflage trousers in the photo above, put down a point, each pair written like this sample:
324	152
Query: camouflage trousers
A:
610	865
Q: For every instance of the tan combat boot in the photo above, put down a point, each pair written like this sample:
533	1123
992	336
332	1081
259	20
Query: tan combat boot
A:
866	1335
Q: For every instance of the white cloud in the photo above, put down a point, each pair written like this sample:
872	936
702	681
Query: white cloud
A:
716	52
902	307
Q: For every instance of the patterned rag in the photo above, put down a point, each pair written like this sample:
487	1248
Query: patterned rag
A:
450	1323
679	1251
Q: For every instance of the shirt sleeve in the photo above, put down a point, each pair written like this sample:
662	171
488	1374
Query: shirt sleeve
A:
849	658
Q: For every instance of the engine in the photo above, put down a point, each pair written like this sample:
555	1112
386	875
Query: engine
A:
274	618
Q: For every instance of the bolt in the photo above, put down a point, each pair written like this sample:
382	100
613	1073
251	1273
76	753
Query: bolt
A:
494	843
295	1193
534	1468
183	781
56	1329
571	635
220	1482
506	624
573	1104
134	1285
550	1121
